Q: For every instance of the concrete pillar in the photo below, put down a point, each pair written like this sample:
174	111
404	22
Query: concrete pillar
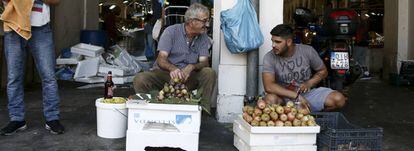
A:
70	17
411	31
391	37
231	68
403	28
271	14
398	37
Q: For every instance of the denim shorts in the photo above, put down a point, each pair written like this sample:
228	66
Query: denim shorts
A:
317	98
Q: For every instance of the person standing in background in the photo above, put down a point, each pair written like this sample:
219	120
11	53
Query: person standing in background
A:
361	44
26	24
149	41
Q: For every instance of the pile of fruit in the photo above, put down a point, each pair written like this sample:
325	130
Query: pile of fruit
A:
277	115
175	92
114	100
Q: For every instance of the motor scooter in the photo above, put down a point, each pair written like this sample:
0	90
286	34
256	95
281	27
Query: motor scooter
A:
334	43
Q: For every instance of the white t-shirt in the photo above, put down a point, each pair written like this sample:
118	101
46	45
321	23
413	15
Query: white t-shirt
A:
40	14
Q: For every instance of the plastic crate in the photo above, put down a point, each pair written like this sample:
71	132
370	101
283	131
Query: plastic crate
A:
338	134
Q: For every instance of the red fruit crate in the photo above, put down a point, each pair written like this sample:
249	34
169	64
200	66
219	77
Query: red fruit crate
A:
337	134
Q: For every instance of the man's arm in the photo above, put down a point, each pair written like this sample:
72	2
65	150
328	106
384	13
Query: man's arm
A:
51	2
202	62
163	63
316	78
270	86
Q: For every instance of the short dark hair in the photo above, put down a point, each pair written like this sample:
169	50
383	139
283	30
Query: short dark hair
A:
282	30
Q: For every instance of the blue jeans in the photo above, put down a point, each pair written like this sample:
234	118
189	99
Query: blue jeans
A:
42	48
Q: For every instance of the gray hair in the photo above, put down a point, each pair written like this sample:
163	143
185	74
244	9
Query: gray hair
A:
194	10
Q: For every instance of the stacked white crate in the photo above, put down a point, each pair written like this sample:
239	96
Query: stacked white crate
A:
248	138
162	125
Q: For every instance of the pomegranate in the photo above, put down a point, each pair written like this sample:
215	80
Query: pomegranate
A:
304	123
248	119
245	108
273	115
283	117
296	122
280	110
294	111
261	104
255	123
290	104
288	123
305	119
287	109
303	111
290	116
262	123
270	123
257	111
244	114
250	110
257	118
267	110
272	108
311	123
279	123
299	116
265	117
311	117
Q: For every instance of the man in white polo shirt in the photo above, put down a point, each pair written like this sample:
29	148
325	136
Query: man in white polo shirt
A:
26	24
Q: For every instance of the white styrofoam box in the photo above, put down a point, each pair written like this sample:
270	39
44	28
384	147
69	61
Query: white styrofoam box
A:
116	70
90	80
232	80
243	146
185	118
87	68
229	107
138	140
87	50
254	136
227	58
123	80
74	59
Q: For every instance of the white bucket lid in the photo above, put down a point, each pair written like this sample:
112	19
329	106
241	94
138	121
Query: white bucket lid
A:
99	104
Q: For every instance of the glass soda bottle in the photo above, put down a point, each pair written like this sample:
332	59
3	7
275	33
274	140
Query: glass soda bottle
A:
109	86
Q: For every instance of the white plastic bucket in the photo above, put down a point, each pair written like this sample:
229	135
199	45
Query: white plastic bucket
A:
111	119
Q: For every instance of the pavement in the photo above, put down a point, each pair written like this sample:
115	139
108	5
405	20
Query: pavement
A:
372	103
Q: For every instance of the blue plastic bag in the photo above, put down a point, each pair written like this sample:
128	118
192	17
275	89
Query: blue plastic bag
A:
241	28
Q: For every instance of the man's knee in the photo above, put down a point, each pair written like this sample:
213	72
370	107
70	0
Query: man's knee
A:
273	99
139	82
335	100
209	73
